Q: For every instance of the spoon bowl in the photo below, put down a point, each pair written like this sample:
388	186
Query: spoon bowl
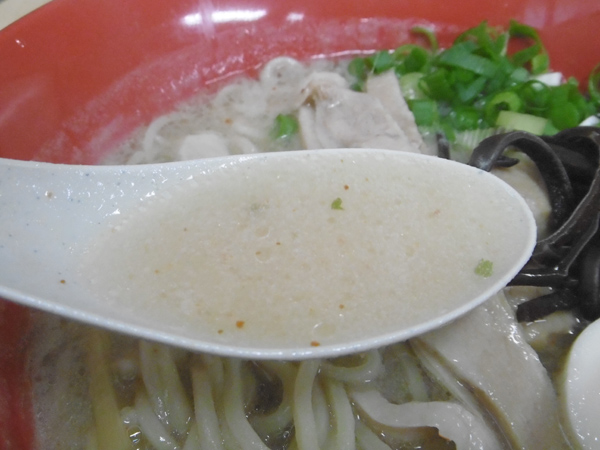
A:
283	255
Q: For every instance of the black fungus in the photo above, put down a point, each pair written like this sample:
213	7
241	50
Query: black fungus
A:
551	167
443	146
567	260
563	299
589	287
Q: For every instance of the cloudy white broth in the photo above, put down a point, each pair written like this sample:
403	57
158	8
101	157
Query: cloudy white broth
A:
482	382
311	250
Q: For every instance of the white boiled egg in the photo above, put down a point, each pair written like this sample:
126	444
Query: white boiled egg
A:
581	388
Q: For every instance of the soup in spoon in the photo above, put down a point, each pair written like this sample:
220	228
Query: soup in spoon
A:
312	252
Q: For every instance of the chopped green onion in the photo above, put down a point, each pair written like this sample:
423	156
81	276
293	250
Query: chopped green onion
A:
465	118
536	54
409	85
484	268
483	36
594	85
429	34
437	85
460	75
535	95
550	129
503	101
337	204
415	61
358	68
358	86
425	111
564	115
515	121
476	82
460	56
285	126
467	93
519	75
380	62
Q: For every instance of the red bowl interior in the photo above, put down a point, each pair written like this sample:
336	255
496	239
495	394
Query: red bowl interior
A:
78	76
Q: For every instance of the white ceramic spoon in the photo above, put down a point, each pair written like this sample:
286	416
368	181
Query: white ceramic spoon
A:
283	255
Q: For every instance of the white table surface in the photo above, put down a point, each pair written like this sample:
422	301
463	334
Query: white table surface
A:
11	10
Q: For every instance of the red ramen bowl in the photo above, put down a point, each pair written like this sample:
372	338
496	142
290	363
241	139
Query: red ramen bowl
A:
79	76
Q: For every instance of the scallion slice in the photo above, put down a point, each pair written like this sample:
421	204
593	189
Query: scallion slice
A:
477	80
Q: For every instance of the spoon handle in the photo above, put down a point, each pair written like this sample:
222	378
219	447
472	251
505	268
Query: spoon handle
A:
46	209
